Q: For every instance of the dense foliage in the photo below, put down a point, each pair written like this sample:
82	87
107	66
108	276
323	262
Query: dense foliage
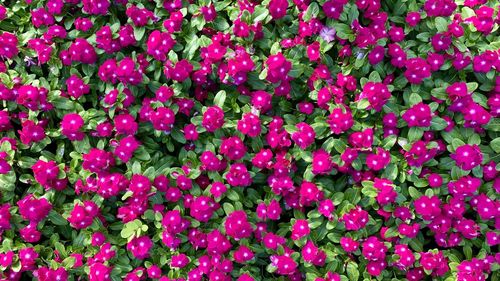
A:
245	140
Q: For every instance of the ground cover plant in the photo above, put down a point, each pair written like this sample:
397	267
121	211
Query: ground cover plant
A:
249	140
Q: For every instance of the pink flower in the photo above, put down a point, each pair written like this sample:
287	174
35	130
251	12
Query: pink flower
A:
277	8
30	233
413	18
76	87
457	90
41	17
217	243
6	258
238	175
362	139
326	208
180	71
163	118
309	252
140	247
233	148
376	93
309	193
139	17
440	42
82	216
97	161
417	70
202	208
100	272
313	51
278	67
210	161
262	159
340	120
9	42
321	163
467	156
374	249
406	257
428	207
98	239
436	263
209	13
376	55
284	264
333	9
46	173
125	124
485	207
237	225
305	135
126	148
379	160
213	118
435	180
27	257
5	216
249	125
31	132
3	12
355	219
71	125
82	51
32	209
243	254
386	193
348	244
261	100
83	24
483	21
374	268
300	229
96	7
419	115
179	261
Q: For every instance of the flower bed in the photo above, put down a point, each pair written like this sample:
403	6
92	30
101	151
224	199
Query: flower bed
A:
246	140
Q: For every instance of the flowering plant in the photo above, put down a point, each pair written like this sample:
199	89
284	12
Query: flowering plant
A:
249	140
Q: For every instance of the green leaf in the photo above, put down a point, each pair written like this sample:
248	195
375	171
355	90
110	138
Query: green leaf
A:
471	87
414	193
370	191
228	208
388	142
493	125
391	232
139	32
375	77
399	8
455	143
415	133
362	104
352	271
56	218
311	12
438	124
415	98
260	13
391	172
343	30
441	24
495	145
467	252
